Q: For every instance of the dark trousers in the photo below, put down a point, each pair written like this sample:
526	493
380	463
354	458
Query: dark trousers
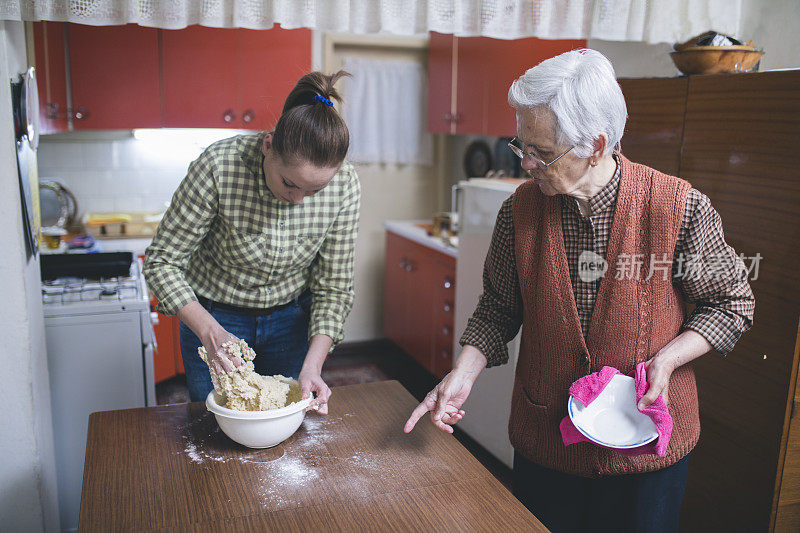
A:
280	341
641	503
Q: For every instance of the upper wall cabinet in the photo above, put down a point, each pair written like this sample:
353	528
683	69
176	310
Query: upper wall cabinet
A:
200	77
125	77
48	44
115	77
469	77
230	78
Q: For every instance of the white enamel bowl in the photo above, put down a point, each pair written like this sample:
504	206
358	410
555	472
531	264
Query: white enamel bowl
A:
257	429
612	419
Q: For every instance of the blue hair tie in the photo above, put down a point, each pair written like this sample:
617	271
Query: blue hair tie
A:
323	100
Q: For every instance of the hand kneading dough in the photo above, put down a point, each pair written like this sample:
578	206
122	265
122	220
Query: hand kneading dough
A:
245	390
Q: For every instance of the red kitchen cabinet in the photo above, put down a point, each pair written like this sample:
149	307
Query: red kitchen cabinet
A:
418	329
419	302
115	77
469	77
473	72
394	289
230	78
167	360
127	77
440	83
444	300
51	78
270	63
200	77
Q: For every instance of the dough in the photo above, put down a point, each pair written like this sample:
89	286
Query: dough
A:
245	390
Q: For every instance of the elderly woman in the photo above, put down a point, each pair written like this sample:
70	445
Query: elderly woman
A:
585	209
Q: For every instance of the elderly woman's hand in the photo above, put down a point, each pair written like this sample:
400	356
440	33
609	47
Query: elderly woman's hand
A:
659	370
445	400
684	348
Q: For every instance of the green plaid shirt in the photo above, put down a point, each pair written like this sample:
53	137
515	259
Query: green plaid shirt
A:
226	237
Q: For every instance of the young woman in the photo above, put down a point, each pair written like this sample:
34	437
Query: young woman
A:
258	244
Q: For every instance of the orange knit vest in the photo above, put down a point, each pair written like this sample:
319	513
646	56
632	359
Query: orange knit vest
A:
632	319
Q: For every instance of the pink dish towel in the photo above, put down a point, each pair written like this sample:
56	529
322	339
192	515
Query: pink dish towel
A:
587	388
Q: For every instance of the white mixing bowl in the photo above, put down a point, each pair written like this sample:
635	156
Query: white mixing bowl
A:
257	429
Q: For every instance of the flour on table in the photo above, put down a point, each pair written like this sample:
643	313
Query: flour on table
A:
246	390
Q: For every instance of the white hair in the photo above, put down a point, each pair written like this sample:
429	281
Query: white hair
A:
581	89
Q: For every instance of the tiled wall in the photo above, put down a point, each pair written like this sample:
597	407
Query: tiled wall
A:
112	172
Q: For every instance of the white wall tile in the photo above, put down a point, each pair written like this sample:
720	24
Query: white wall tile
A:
46	159
127	203
155	203
119	174
127	156
165	182
58	155
77	182
95	204
99	155
127	182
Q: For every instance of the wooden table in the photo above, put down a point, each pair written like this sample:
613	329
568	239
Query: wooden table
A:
171	467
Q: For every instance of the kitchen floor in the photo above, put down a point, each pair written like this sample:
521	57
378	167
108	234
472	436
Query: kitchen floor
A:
353	363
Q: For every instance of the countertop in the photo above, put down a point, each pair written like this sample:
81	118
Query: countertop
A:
410	230
171	467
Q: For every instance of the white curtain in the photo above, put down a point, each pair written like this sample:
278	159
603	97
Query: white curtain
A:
385	109
650	21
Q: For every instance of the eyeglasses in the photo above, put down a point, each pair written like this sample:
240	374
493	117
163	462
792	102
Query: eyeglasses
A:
523	154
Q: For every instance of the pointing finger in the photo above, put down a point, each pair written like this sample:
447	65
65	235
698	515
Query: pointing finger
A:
416	414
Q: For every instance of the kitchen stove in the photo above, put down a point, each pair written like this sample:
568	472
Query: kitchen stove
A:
100	346
72	290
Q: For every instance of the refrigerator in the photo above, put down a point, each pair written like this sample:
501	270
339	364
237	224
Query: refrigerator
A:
489	403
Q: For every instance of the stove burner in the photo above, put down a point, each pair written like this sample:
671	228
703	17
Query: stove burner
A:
72	290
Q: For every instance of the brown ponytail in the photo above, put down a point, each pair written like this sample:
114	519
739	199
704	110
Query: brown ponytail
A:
309	129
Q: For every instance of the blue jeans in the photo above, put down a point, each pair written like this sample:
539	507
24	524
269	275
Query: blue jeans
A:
636	503
280	341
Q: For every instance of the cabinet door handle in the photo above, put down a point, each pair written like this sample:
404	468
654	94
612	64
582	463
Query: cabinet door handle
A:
456	118
248	116
445	353
446	330
448	306
228	116
410	267
448	282
448	117
81	113
402	263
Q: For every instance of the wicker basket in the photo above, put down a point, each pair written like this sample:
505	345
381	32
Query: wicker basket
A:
716	59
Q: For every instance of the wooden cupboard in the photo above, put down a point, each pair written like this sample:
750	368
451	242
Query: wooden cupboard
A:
114	73
200	101
231	78
126	77
51	76
654	131
419	302
786	502
167	359
734	137
469	77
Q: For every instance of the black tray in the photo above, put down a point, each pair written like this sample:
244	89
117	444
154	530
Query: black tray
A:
92	265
